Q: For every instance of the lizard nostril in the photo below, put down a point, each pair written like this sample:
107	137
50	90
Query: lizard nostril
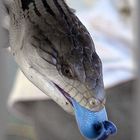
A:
93	101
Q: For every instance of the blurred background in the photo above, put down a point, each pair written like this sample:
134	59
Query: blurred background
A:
110	22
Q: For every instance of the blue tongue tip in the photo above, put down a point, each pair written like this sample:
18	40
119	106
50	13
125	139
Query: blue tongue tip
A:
93	125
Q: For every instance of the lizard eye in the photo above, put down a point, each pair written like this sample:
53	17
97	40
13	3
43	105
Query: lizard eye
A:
66	71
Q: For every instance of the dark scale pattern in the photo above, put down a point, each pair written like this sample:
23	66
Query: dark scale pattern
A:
25	4
47	7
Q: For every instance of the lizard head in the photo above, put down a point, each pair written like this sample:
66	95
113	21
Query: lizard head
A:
81	68
77	69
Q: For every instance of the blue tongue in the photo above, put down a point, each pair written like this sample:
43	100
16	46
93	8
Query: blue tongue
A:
93	125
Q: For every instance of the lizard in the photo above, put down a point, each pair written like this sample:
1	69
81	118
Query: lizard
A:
56	53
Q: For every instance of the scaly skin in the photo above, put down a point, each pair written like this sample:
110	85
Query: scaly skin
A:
56	52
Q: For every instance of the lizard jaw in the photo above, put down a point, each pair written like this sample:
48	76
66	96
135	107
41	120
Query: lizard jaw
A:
96	108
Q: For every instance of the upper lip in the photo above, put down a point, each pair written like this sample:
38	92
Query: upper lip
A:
68	97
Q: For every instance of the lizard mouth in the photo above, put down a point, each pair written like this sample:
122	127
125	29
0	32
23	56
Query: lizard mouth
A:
92	125
96	108
65	94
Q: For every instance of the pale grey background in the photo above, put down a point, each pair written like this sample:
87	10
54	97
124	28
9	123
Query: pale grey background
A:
136	99
7	72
